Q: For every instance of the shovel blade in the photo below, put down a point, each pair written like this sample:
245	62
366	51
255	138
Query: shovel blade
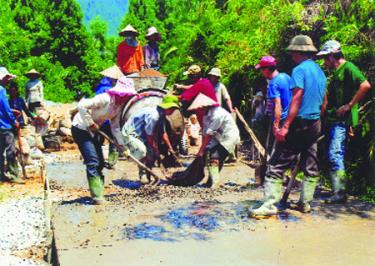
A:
191	176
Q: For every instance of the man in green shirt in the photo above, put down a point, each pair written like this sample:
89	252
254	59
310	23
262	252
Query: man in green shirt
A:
347	87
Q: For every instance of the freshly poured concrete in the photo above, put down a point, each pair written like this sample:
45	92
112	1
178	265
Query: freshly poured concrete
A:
202	229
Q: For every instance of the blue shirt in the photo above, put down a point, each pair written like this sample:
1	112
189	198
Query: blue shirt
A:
309	77
144	122
104	85
19	104
279	87
7	119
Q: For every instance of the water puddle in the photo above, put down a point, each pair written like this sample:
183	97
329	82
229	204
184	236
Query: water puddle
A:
197	221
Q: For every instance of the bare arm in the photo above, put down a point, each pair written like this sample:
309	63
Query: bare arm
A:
293	112
167	141
153	144
324	105
364	87
205	140
230	105
182	87
277	112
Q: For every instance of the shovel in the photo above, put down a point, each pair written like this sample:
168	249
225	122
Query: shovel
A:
18	114
140	164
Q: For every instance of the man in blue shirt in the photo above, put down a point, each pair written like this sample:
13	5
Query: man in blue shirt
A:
300	130
278	99
278	90
7	124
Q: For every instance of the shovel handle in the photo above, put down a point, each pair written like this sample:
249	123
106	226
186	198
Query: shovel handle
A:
257	143
139	163
21	149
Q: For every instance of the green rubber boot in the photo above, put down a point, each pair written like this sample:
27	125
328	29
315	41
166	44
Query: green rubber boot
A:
307	194
14	176
97	190
214	175
112	158
272	191
338	187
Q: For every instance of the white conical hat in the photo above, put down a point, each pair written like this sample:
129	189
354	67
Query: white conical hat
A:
32	72
202	101
128	28
112	72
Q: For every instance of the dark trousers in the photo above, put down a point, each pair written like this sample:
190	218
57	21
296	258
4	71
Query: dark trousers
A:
301	140
218	152
7	150
33	106
91	150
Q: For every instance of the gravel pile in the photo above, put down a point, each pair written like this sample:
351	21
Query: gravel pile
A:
22	224
169	194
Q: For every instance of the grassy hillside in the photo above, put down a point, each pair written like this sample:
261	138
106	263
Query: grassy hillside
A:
110	11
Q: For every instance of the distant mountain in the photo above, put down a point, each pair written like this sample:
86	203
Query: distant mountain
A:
111	11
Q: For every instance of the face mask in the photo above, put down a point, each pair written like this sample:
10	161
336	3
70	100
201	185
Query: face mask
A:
131	41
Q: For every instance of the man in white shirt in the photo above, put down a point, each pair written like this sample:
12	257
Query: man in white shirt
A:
34	90
221	91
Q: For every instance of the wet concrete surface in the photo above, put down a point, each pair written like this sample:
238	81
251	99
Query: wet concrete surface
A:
174	225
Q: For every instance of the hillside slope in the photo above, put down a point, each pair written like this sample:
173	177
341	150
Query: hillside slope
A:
110	11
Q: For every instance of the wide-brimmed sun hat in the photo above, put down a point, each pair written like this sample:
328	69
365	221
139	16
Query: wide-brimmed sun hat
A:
129	28
215	72
193	70
301	43
202	101
113	72
266	61
170	101
4	73
32	72
124	87
330	47
152	31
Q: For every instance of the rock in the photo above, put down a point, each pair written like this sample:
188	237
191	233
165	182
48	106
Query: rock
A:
64	132
67	123
39	142
52	141
25	146
35	153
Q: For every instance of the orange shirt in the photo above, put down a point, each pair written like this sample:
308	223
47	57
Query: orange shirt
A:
129	58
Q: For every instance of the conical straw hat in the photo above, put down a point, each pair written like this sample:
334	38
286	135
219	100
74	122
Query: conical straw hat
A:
202	101
32	72
113	72
128	28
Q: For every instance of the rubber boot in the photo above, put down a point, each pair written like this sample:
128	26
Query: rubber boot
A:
214	175
143	178
14	174
272	191
307	194
338	186
112	158
97	190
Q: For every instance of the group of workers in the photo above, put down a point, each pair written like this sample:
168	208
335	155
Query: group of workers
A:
132	57
11	119
298	103
145	131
